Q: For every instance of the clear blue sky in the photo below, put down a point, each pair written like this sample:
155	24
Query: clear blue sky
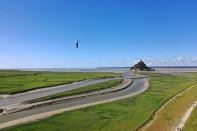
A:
41	33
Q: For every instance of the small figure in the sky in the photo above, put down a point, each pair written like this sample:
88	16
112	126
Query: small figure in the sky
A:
77	44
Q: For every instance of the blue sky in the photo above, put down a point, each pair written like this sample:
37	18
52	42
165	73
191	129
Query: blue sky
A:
41	33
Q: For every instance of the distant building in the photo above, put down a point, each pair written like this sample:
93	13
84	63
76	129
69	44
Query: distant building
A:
141	66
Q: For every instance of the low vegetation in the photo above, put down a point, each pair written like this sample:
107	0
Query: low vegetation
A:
86	89
123	115
14	81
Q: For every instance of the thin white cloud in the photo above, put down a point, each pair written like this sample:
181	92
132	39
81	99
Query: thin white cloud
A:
174	61
180	58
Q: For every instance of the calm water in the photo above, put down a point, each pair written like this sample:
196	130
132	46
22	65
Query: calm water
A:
120	70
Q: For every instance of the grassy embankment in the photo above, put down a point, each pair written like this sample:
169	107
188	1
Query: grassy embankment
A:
82	90
20	81
191	124
122	115
172	113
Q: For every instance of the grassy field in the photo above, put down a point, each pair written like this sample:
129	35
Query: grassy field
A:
20	81
86	89
191	124
172	113
122	115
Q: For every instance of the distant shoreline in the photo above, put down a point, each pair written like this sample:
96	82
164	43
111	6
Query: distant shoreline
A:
98	68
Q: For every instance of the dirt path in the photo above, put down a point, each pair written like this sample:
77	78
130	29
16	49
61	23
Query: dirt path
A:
185	117
155	115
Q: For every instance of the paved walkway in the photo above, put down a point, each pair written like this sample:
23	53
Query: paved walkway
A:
43	115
